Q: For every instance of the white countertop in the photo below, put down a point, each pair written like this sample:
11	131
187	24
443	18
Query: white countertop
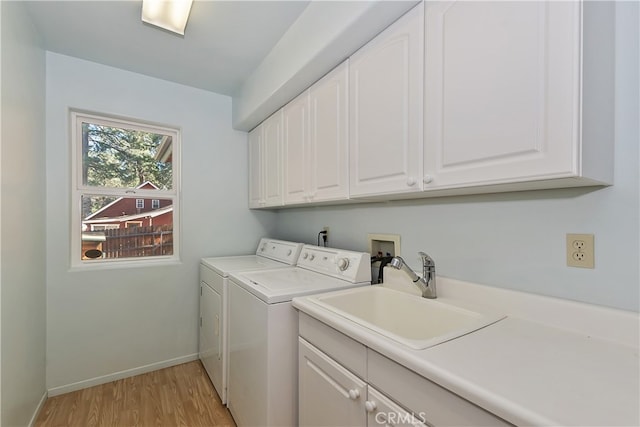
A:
526	370
530	373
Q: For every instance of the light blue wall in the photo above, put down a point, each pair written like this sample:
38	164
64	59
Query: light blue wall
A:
106	321
22	198
517	240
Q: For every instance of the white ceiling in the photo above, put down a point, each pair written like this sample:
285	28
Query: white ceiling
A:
223	43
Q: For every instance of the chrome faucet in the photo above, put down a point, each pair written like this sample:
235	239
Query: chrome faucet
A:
426	283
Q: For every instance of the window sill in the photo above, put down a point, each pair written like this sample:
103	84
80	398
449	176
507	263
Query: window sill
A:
124	264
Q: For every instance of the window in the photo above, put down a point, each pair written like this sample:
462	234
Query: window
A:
125	191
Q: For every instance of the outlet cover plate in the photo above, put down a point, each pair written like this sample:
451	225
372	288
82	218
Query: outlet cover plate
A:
580	250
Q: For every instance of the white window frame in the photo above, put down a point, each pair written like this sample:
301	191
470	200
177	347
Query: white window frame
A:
78	189
138	203
155	204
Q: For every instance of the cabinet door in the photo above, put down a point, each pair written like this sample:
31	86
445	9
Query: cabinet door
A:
385	110
501	90
427	400
296	154
328	394
256	189
272	159
329	166
382	411
210	351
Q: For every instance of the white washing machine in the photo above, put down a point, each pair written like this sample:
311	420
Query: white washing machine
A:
214	273
263	331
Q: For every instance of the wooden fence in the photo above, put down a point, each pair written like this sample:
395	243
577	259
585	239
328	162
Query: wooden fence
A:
138	242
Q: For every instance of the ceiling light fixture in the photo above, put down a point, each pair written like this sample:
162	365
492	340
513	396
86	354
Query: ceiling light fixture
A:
171	15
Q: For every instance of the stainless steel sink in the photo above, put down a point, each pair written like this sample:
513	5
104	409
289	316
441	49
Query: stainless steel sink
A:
416	322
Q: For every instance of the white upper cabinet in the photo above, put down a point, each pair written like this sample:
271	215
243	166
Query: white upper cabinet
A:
272	159
296	150
456	97
265	163
329	136
256	190
507	93
316	142
385	110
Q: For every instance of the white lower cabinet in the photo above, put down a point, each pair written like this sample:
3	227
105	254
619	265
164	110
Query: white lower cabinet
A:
329	395
326	384
344	383
426	400
382	411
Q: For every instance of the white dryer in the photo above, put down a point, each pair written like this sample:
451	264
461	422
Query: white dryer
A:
214	273
263	331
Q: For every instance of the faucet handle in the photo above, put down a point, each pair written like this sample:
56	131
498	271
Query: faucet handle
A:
427	261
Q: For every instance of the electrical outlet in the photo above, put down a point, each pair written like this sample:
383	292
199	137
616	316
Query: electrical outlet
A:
580	250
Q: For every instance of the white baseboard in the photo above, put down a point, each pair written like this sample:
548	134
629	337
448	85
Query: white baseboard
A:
55	391
34	417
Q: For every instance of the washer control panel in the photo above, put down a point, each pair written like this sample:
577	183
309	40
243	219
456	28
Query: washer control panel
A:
346	265
279	250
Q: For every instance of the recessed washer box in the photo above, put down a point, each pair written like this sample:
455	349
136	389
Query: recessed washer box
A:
386	244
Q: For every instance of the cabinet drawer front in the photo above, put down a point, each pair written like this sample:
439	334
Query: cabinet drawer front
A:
388	414
343	349
439	406
329	395
212	279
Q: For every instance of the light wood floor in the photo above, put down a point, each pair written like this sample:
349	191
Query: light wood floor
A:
178	396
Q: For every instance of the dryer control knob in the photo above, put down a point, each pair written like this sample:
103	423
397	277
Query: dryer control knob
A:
343	264
289	252
305	255
312	257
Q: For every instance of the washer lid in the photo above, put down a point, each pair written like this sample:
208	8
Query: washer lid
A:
281	285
